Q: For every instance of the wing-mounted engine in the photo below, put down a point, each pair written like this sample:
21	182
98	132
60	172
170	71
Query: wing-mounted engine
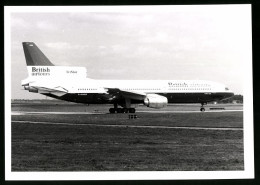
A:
155	101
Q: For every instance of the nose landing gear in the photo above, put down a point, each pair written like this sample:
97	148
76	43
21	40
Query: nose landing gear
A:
202	109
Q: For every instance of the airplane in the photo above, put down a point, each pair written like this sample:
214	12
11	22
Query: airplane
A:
72	84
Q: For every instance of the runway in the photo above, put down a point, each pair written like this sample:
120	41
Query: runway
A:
150	111
191	111
49	122
33	113
129	126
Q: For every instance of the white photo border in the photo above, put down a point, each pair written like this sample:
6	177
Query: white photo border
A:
248	171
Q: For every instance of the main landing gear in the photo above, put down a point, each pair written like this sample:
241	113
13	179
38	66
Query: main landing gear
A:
202	109
121	110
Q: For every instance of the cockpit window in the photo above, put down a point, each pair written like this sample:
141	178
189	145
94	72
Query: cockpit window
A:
226	89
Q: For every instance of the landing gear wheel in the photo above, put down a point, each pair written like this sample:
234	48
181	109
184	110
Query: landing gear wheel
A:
202	109
112	110
125	110
119	110
132	110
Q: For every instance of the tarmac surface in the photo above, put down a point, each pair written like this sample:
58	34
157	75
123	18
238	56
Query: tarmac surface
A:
153	111
59	137
130	126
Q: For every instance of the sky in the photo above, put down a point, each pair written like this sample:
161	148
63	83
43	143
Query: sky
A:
182	43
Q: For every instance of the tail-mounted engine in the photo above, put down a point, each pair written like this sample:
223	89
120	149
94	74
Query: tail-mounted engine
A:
155	101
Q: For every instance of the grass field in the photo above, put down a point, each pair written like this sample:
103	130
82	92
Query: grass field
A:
86	146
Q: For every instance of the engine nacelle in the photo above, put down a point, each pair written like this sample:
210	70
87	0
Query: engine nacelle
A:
31	89
155	101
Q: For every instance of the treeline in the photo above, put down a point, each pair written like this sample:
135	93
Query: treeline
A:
234	99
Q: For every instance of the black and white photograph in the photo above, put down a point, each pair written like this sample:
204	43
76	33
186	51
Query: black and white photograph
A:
128	92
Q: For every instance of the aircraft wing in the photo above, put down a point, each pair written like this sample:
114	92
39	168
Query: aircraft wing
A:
126	94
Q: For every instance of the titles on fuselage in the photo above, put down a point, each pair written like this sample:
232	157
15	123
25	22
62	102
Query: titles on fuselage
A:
181	84
40	70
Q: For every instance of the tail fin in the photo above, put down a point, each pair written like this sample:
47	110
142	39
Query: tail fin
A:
34	56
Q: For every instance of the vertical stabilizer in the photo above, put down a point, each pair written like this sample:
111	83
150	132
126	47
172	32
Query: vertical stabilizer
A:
34	56
39	67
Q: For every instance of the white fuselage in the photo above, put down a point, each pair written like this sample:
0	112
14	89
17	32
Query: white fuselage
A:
71	84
